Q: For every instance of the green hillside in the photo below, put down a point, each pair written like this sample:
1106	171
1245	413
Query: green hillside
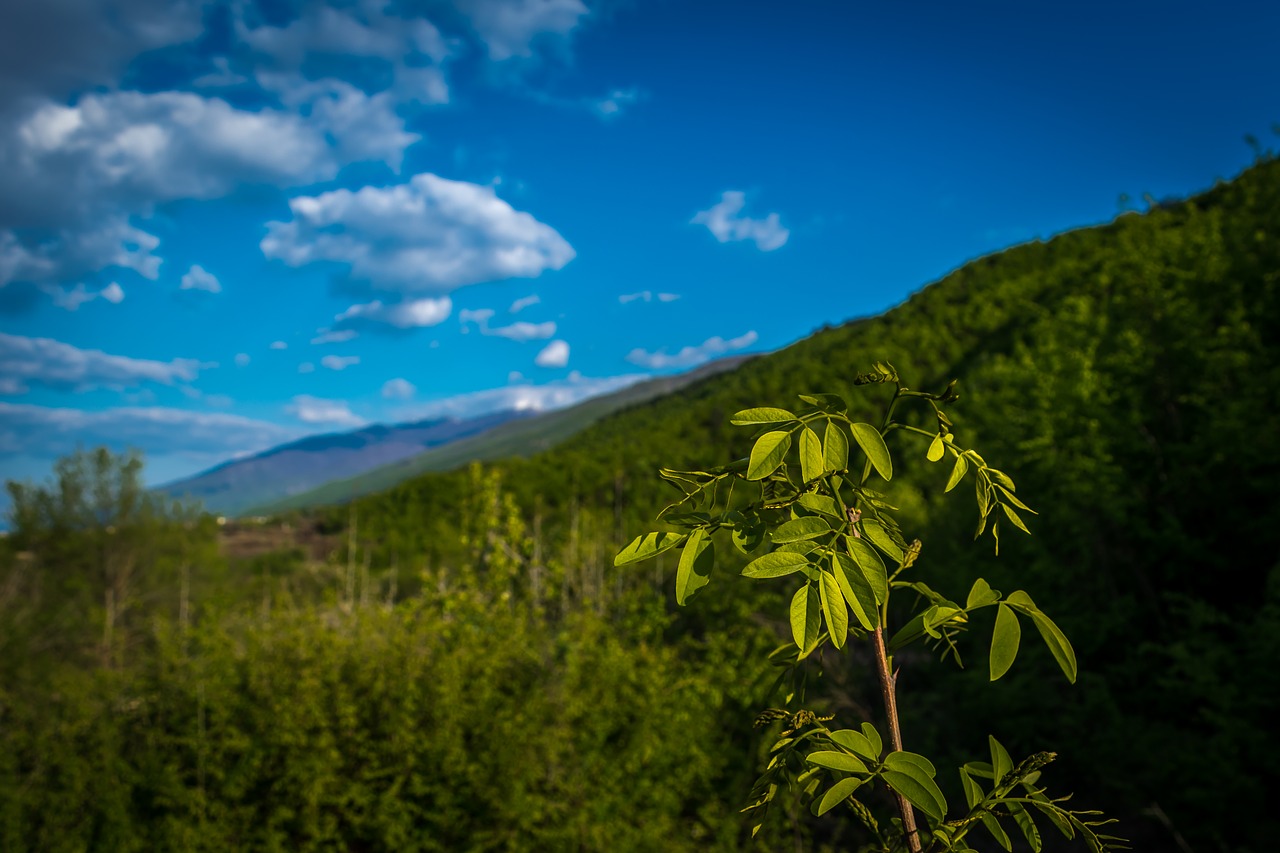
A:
457	665
518	438
1128	377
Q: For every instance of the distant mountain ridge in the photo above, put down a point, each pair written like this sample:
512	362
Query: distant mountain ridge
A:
297	467
513	438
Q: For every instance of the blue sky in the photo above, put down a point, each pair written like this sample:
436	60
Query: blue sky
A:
227	225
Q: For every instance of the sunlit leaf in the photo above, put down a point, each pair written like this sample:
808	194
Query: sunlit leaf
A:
880	538
872	444
648	545
799	529
841	761
936	449
1001	763
763	415
858	742
912	782
839	792
767	454
857	592
811	461
806	617
980	595
694	571
775	565
871	565
834	609
835	448
957	473
1004	641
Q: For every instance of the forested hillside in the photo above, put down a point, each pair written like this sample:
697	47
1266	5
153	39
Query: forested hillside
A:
468	671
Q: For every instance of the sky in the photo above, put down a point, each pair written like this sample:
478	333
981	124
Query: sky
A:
224	226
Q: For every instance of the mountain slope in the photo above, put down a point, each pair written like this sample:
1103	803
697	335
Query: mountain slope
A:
1128	378
299	466
515	438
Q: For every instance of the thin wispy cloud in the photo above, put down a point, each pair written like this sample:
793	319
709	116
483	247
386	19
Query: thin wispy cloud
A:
518	331
691	356
317	410
726	222
339	362
25	362
648	296
521	397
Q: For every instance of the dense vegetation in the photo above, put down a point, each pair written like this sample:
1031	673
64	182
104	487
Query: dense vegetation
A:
466	670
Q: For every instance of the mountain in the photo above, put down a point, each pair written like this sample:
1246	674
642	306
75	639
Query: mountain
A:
1124	376
290	469
511	439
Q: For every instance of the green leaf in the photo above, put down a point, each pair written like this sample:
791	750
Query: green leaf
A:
763	415
997	831
834	609
806	618
1004	641
880	538
821	503
1022	818
799	529
648	545
980	489
775	565
835	448
1001	763
871	565
872	444
767	454
1013	516
1057	642
873	736
980	595
919	788
858	742
748	537
857	592
936	449
838	793
841	761
811	461
957	473
972	790
696	561
898	761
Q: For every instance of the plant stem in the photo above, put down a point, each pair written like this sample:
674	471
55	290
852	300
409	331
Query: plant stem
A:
888	692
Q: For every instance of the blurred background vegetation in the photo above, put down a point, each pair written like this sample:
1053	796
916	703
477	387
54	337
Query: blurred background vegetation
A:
454	664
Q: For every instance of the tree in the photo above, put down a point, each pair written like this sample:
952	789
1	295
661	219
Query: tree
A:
810	515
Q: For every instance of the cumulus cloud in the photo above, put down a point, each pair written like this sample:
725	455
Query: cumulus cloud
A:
278	345
429	235
554	354
198	278
520	397
409	314
71	298
50	256
511	28
339	362
398	389
726	222
54	364
47	432
113	293
315	410
523	303
691	356
648	296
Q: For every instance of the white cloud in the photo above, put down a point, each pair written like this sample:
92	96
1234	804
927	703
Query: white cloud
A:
113	293
691	356
306	367
479	316
510	28
198	278
46	432
54	364
428	235
339	362
518	331
725	221
314	410
278	345
554	354
242	359
522	397
398	389
51	256
514	376
648	296
409	314
334	336
615	103
523	303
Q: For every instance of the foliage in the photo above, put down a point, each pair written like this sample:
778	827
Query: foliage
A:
811	515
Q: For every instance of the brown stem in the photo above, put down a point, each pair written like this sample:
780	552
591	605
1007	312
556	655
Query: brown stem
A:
887	685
